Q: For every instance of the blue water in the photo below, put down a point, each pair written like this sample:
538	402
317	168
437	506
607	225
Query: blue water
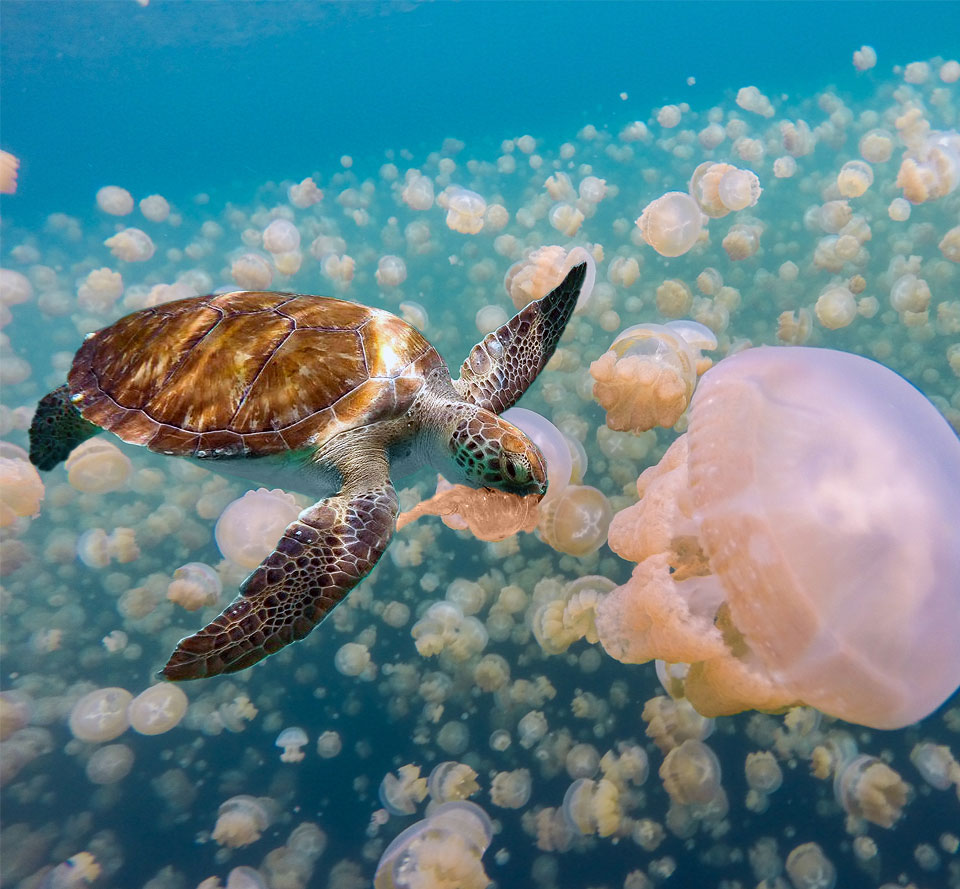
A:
187	97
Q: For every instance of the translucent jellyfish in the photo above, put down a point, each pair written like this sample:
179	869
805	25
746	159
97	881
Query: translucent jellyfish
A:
536	275
749	98
464	208
391	271
836	307
854	178
97	466
936	764
155	207
691	773
281	236
131	245
451	781
21	490
671	224
648	375
9	165
868	788
305	194
576	522
291	741
442	851
582	761
101	715
77	871
931	170
115	200
763	772
251	272
552	445
884	525
15	288
511	790
721	188
401	793
109	764
453	737
531	728
241	820
809	868
158	709
352	659
195	585
864	59
249	527
329	745
593	807
418	191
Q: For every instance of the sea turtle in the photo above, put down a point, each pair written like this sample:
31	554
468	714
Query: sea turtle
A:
312	393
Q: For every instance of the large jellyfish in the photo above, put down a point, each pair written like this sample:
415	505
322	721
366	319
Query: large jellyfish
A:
801	543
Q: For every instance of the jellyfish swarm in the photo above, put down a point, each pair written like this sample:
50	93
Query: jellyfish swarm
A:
801	543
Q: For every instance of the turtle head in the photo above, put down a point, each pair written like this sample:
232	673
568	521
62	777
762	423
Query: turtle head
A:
489	452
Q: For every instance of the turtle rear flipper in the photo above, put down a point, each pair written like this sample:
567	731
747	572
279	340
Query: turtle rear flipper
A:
57	428
504	363
322	555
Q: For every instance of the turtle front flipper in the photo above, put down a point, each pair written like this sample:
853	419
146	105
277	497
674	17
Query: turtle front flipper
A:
322	555
504	363
57	428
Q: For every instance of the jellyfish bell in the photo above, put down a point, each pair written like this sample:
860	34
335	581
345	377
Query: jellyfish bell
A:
101	715
248	528
158	709
793	451
671	224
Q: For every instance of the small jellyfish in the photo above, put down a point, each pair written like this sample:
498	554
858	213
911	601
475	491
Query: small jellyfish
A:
98	466
9	165
352	659
329	745
648	375
101	715
582	761
809	868
131	245
109	764
576	522
868	788
531	728
251	272
451	781
158	709
195	585
241	820
511	790
671	224
936	764
836	307
115	200
720	188
155	207
249	527
292	741
21	490
281	236
854	178
401	793
691	773
391	271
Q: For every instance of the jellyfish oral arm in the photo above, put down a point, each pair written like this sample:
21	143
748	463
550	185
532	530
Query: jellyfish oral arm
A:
322	555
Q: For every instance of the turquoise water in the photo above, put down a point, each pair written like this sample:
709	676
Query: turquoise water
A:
221	108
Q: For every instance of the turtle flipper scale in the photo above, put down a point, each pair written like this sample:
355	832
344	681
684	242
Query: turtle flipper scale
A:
322	555
56	429
504	363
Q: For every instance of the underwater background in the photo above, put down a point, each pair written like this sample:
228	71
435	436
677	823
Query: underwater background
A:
446	144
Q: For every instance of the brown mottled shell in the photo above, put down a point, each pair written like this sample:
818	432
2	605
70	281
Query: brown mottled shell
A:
248	373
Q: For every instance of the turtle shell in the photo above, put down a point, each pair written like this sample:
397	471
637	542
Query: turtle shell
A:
248	373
